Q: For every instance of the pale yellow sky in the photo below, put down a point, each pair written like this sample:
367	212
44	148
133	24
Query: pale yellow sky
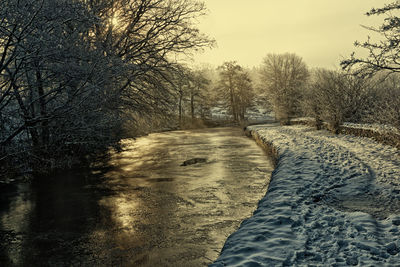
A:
320	31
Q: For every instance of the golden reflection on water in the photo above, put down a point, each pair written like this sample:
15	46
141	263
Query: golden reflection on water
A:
123	211
16	222
144	210
181	215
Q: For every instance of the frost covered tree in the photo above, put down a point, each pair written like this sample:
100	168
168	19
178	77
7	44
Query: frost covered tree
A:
192	90
383	54
336	97
145	35
383	61
72	72
385	107
284	77
236	89
244	95
51	75
199	93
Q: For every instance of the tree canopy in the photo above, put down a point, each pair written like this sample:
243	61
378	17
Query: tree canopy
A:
283	77
236	89
71	72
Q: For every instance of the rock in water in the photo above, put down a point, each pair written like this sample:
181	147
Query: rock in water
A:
193	161
392	249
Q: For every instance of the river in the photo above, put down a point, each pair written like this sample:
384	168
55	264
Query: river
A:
143	209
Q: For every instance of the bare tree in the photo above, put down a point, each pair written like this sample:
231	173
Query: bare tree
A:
382	61
284	77
337	97
385	107
236	88
199	93
383	54
146	35
192	90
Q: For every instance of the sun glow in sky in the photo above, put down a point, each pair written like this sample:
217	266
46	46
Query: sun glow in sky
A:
115	21
321	31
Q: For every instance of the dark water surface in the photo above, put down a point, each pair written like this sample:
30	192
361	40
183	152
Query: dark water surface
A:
144	210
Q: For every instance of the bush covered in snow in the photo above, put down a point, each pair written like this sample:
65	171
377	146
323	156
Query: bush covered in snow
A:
336	97
385	108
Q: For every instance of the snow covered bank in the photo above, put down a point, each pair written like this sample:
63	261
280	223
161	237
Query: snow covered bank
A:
333	200
384	134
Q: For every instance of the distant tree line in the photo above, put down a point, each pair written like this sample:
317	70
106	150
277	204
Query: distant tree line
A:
229	87
365	90
72	72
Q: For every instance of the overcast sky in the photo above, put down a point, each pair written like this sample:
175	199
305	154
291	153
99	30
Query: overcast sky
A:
320	31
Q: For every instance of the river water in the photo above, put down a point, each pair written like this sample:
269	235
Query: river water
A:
144	209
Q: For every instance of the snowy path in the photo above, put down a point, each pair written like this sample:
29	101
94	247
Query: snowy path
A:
333	200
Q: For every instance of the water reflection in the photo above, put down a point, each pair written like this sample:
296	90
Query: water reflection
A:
146	210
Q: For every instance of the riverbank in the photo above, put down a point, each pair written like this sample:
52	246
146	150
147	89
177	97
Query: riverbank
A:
332	200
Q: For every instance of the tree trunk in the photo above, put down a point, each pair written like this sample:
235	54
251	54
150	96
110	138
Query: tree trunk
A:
44	125
29	124
192	104
180	108
232	96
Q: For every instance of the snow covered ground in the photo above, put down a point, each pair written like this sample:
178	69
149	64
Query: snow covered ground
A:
380	128
255	114
333	200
